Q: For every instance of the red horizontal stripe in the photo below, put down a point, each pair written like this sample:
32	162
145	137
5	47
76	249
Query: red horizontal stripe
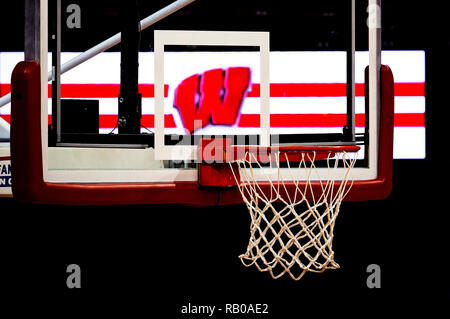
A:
409	120
276	120
102	90
409	89
5	89
327	120
331	89
302	90
276	90
93	90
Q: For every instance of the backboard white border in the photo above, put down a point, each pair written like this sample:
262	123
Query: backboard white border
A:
207	38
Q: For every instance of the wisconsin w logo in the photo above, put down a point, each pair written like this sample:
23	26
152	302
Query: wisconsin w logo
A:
214	97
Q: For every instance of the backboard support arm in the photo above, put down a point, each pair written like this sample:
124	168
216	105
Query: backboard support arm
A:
130	109
56	71
32	30
349	129
108	43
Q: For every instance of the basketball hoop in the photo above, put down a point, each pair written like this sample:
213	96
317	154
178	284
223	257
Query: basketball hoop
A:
292	232
293	207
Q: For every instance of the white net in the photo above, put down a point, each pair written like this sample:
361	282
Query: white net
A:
292	226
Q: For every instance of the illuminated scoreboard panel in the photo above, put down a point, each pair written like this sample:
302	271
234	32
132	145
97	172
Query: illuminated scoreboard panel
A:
307	92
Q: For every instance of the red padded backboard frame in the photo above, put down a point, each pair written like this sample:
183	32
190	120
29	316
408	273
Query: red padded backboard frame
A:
27	168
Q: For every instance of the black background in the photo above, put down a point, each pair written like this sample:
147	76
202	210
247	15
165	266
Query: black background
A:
150	260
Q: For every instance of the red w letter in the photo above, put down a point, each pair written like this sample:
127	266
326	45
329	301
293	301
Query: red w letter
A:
214	97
